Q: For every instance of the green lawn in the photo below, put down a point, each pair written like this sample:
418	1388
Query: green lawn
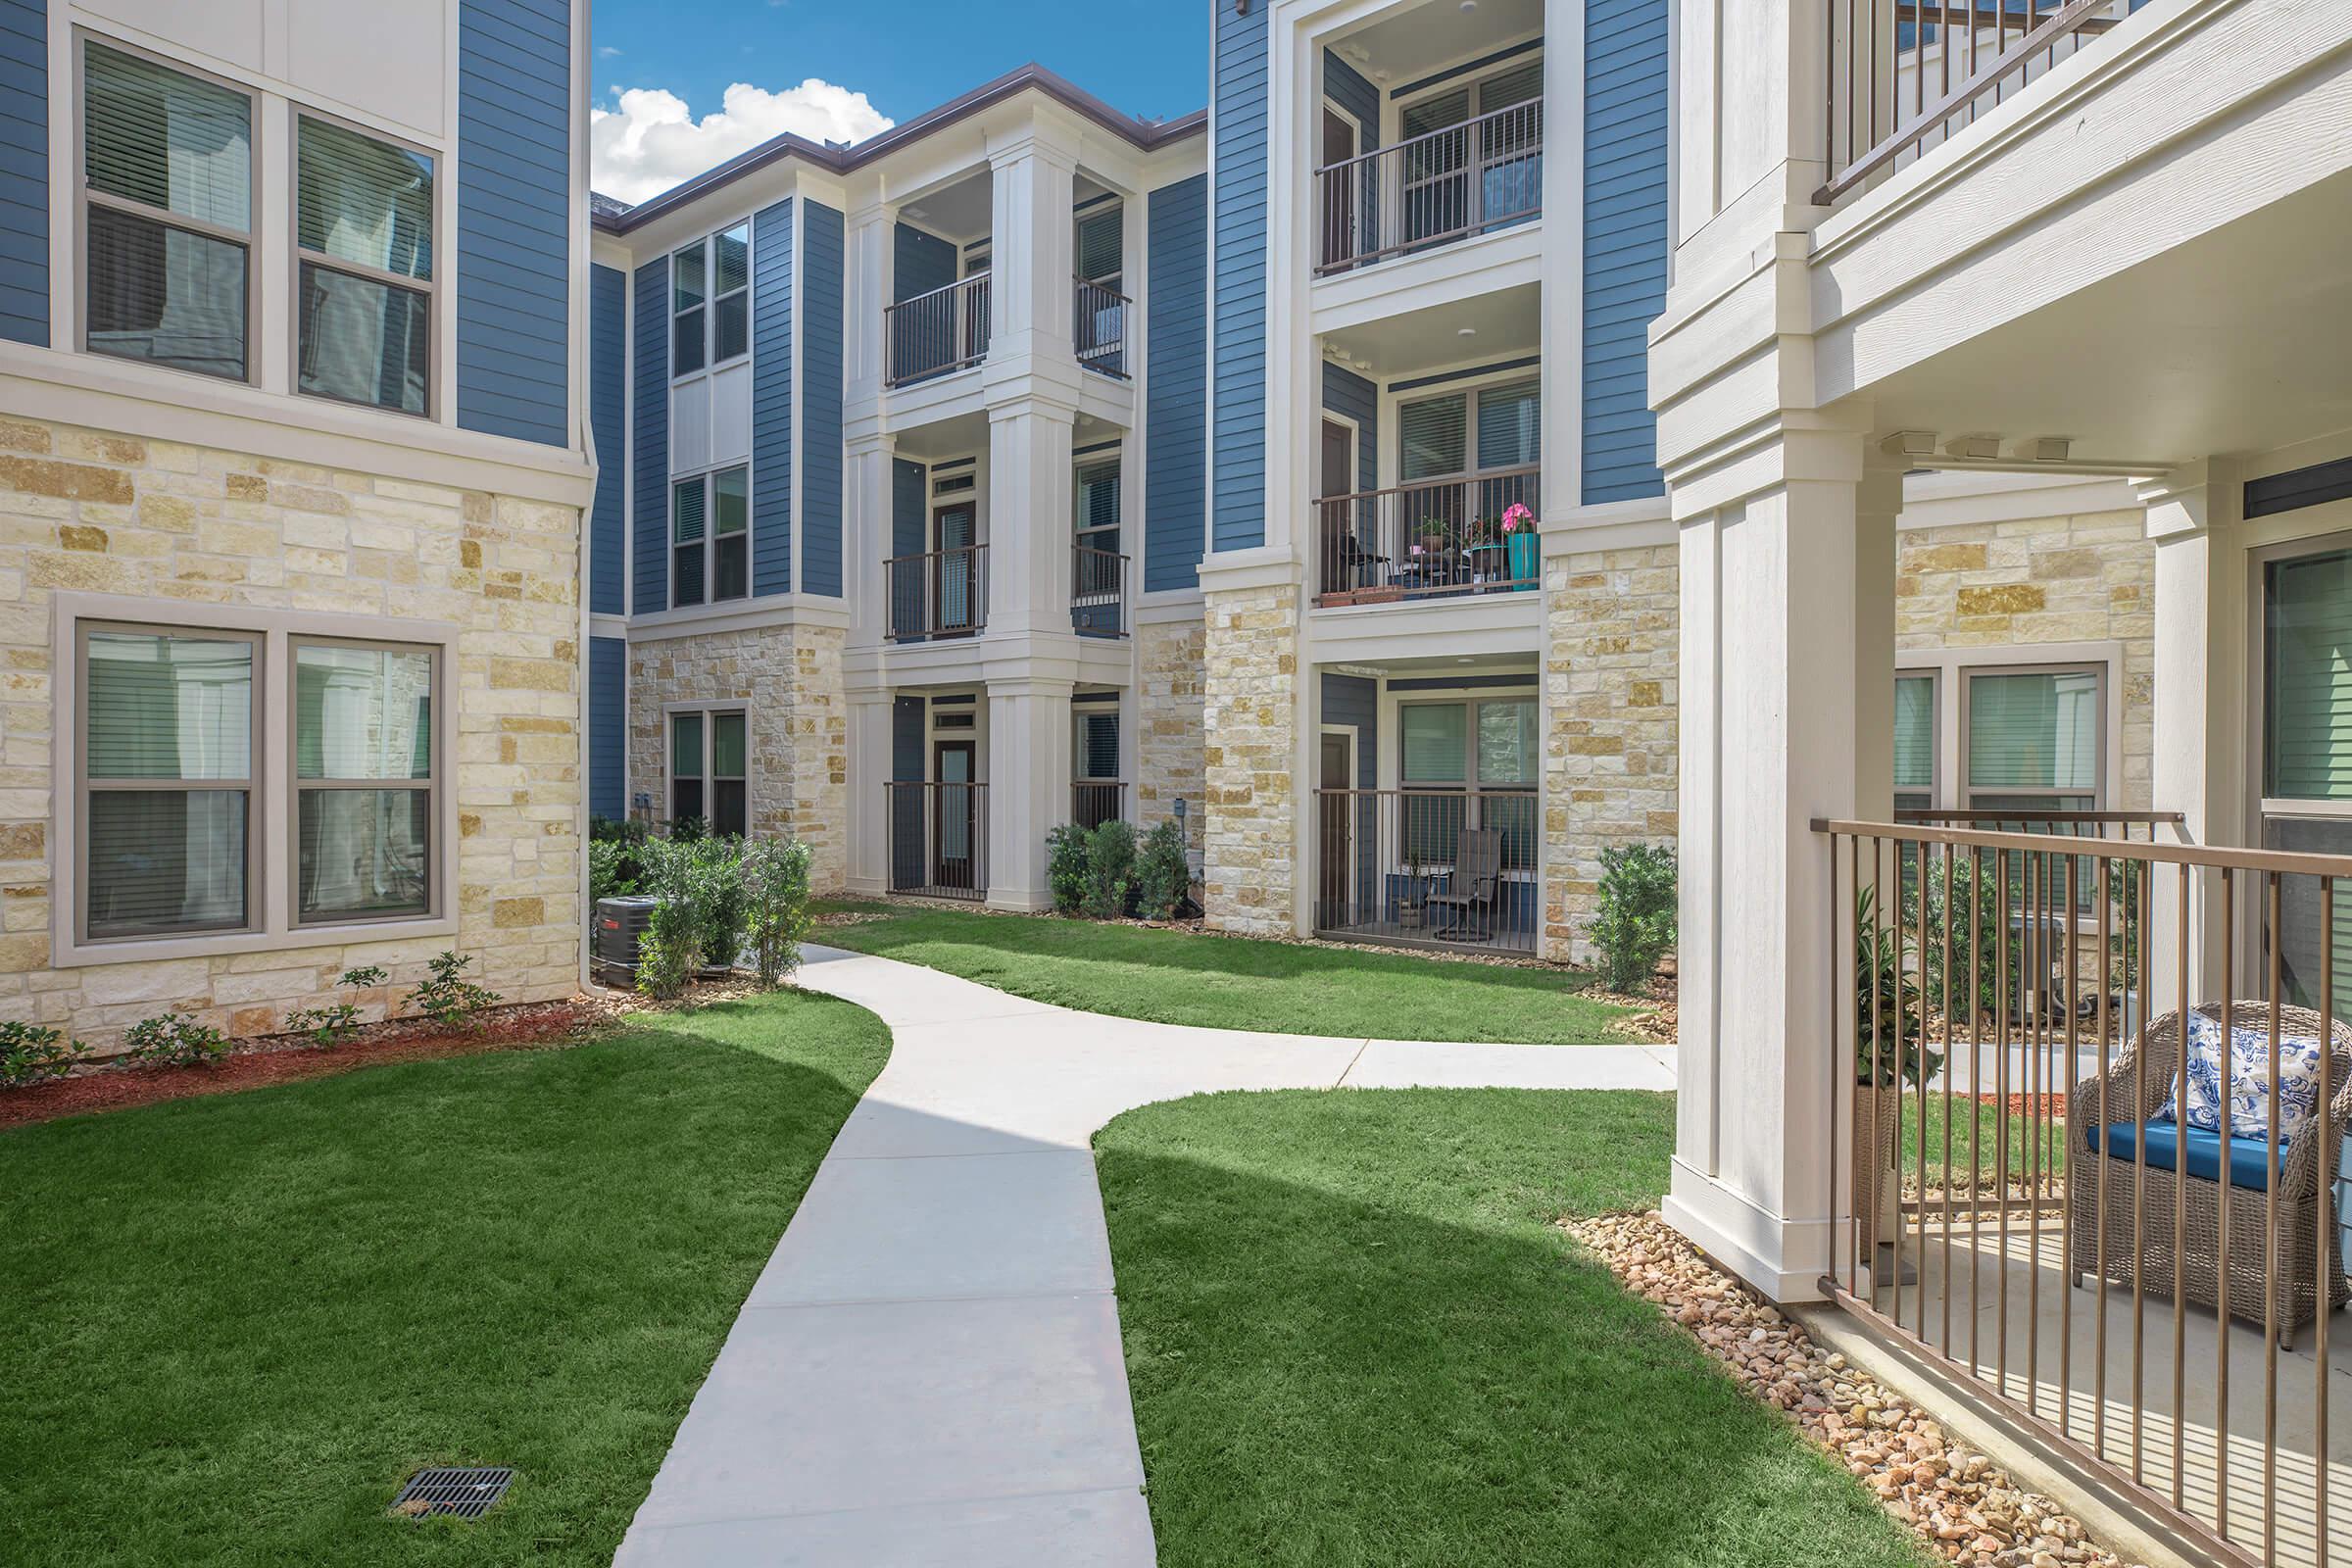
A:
238	1323
1233	983
2026	1135
1354	1337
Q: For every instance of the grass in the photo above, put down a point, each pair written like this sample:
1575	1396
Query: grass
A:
1355	1337
238	1323
1236	983
1983	1132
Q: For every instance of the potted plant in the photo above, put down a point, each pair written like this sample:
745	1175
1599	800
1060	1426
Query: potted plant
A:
1891	1054
1519	537
1482	539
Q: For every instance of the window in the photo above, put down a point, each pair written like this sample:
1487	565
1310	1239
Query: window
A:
167	214
2306	623
1498	424
1099	246
1098	745
1098	504
365	777
364	241
1915	724
1486	752
2032	739
710	537
168	728
707	752
711	301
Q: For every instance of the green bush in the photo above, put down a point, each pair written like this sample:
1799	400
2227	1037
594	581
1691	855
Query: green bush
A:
1065	866
613	869
31	1054
447	997
673	944
1109	870
775	884
330	1024
175	1040
1887	1003
1635	926
716	867
1164	874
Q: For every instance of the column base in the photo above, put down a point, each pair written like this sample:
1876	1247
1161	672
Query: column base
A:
1017	901
1785	1258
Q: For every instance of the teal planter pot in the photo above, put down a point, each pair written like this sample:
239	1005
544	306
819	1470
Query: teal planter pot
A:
1526	557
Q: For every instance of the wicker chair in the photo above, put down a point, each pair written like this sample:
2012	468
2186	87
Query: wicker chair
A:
2137	1088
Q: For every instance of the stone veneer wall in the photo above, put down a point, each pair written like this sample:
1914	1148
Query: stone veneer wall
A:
2087	578
1170	661
1611	708
1250	725
788	679
85	509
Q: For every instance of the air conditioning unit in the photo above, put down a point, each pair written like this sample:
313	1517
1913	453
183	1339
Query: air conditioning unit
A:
621	925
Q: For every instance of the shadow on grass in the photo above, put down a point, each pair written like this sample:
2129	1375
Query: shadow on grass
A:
1353	1337
240	1322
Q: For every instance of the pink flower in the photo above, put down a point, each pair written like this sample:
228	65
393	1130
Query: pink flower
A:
1416	550
1516	516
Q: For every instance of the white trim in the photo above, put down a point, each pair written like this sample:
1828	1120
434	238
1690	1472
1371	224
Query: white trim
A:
710	707
1951	666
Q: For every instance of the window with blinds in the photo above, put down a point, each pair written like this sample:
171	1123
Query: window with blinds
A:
1097	506
365	779
1914	743
168	727
364	245
1098	245
167	210
1099	745
2307	678
689	546
1435	437
731	534
689	308
2034	738
709	759
1510	423
731	293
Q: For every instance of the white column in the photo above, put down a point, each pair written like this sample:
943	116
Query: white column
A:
866	535
1561	325
868	771
1029	517
1782	634
1032	190
866	291
1028	785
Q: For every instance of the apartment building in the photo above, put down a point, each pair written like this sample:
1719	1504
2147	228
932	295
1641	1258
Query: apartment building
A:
292	463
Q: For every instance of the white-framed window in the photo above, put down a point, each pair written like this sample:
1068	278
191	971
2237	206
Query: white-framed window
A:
240	778
711	301
366	295
710	761
1491	427
1918	731
2303	750
1096	745
166	214
1095	496
1485	748
2027	736
710	537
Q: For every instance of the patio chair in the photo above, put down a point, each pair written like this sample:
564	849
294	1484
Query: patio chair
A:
2105	1138
1477	880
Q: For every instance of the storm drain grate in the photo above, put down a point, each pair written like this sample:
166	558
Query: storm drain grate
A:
463	1494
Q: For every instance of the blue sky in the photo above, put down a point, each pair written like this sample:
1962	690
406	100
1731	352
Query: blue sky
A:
1146	57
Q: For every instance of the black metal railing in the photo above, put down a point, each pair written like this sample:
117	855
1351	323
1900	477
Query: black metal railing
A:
1097	800
942	331
1432	538
1097	592
1445	185
941	593
1099	331
1451	868
938	839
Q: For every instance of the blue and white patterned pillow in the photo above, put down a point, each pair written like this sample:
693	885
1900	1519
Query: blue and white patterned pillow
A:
2249	1093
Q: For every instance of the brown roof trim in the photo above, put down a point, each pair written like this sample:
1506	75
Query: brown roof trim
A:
1143	133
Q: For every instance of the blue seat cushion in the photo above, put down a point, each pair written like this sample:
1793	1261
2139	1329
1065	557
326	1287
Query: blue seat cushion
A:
2249	1158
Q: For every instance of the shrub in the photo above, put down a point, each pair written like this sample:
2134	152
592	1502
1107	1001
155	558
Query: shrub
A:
447	997
175	1040
775	886
673	944
31	1054
1163	873
1110	869
1635	926
331	1023
1886	1003
611	869
716	867
1065	866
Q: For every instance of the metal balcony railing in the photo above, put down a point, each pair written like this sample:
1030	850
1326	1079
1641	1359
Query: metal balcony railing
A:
1097	592
1097	800
1453	868
933	333
1432	538
1443	185
941	593
938	839
1099	332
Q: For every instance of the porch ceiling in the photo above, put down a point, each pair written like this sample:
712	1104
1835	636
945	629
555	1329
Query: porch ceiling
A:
2234	342
1399	47
1500	326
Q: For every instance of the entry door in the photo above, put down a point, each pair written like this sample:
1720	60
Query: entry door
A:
1337	476
1339	193
1335	771
955	825
954	530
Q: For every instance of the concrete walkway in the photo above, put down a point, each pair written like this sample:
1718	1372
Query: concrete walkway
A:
929	1370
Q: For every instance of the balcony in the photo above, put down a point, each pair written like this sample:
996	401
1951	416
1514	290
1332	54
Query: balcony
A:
1099	329
1441	538
1447	869
1433	189
938	839
938	594
937	332
1097	800
1097	593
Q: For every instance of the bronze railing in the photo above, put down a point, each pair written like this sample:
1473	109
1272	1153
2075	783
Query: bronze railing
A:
1905	74
933	333
1433	538
1095	800
1435	188
941	593
1098	331
938	839
2021	1201
1097	592
1428	867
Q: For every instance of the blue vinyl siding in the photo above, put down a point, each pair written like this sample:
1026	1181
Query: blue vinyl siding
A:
514	253
1237	502
609	415
24	171
909	498
909	718
1347	88
822	234
607	727
1625	242
651	462
771	399
1353	701
919	263
1176	386
1351	397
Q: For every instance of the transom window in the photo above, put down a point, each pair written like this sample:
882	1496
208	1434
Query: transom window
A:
710	537
708	783
363	240
711	301
167	163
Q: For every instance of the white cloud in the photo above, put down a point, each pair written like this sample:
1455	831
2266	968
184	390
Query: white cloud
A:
608	52
650	139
